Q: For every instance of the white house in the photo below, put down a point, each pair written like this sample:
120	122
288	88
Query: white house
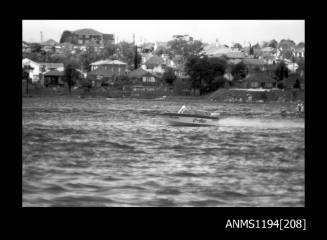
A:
37	69
292	67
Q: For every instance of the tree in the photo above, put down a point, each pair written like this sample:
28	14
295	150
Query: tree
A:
264	44
287	54
273	43
71	76
159	51
137	58
238	46
281	71
297	84
128	54
256	46
109	50
205	73
169	76
184	48
301	68
300	45
286	44
88	57
239	71
251	50
122	81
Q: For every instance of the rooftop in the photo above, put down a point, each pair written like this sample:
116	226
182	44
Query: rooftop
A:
87	31
259	77
101	71
107	62
54	73
52	65
267	49
254	61
49	42
154	61
235	54
137	73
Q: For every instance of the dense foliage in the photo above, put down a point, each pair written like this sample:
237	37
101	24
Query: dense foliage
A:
206	73
169	76
184	48
239	71
71	76
281	72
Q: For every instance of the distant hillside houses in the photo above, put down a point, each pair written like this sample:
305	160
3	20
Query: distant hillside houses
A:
88	35
40	69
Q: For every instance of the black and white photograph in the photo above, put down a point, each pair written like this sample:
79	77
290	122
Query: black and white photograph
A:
163	113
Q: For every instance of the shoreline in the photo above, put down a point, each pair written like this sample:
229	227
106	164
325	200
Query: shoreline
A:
221	95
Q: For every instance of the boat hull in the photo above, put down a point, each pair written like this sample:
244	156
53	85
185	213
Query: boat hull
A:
190	120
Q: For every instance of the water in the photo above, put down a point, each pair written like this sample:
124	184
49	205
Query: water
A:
96	152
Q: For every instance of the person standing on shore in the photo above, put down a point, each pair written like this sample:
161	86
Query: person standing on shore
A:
300	108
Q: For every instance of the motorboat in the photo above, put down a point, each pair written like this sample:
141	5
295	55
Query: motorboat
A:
184	117
285	113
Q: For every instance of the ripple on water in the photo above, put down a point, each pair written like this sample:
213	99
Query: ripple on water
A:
94	152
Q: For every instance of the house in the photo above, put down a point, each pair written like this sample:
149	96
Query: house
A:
268	50
108	39
234	57
52	66
268	58
100	76
88	35
144	77
160	46
216	50
292	67
54	78
26	47
64	48
106	71
144	81
259	80
253	64
36	73
49	45
292	81
117	67
155	64
185	37
145	57
299	50
270	70
97	47
147	47
137	74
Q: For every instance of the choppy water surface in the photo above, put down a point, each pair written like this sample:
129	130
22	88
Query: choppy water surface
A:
96	152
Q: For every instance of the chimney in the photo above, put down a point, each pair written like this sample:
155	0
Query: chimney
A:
217	42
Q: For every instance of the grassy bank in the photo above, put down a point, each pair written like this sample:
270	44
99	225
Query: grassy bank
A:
221	95
249	95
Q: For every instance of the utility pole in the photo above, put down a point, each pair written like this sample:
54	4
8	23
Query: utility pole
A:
135	57
41	36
